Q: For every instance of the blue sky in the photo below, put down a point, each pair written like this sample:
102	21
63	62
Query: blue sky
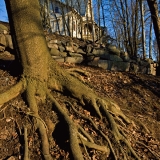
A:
3	12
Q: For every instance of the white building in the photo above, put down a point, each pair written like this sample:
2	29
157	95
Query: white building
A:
72	18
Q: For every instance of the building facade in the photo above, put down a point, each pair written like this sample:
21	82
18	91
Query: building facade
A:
71	18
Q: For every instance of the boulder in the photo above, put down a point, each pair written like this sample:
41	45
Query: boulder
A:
58	58
61	48
52	45
105	64
63	54
3	29
134	67
3	40
115	58
125	56
120	66
69	49
2	48
74	59
53	41
105	56
9	43
99	52
54	52
113	50
89	48
80	51
75	54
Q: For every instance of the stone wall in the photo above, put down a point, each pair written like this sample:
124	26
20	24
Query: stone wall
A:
105	56
65	49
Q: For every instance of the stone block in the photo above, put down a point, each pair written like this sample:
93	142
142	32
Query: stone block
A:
120	66
58	58
54	52
52	45
3	40
80	51
9	43
75	54
63	54
99	52
69	49
105	64
115	58
73	59
61	48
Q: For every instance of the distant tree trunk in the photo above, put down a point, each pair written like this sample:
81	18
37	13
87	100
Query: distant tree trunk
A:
150	41
143	28
153	6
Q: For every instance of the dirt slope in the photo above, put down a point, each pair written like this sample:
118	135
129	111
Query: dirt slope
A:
138	96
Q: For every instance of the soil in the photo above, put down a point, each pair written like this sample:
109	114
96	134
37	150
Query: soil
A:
138	96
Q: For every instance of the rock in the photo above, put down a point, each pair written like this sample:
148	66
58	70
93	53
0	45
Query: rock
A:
75	47
75	54
79	50
94	61
125	56
105	64
52	45
152	69
9	43
11	158
113	50
2	48
53	41
63	54
2	40
3	29
105	56
120	66
61	48
69	49
74	59
54	52
58	58
99	52
149	60
89	48
134	67
115	58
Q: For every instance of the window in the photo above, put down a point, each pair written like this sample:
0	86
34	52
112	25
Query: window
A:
74	26
56	10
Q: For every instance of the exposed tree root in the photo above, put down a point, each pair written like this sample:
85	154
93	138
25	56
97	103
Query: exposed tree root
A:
36	93
156	155
73	132
12	92
26	152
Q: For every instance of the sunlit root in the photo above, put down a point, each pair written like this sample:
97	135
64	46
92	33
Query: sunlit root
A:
94	146
26	152
12	92
73	132
156	155
44	138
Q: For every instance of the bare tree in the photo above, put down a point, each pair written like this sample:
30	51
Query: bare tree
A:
153	6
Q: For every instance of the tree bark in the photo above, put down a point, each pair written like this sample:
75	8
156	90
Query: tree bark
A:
153	6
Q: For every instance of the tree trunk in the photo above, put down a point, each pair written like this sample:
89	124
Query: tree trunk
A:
153	6
41	75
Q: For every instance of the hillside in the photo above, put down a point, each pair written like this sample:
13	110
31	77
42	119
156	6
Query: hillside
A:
138	96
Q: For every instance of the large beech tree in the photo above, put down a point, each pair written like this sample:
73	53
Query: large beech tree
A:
41	75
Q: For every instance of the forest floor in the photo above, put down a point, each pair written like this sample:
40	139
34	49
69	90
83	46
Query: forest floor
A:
138	96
